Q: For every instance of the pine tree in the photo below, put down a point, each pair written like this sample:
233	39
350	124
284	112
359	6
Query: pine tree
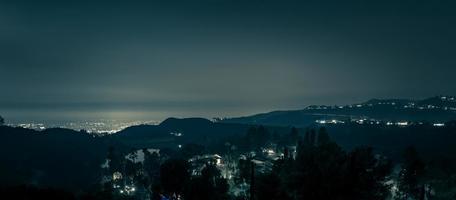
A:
294	136
323	137
312	137
410	175
307	138
2	121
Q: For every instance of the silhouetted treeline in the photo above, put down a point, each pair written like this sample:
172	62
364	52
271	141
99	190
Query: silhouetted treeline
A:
323	170
430	141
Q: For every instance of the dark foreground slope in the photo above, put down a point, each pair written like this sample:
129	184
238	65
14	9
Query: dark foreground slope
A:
54	157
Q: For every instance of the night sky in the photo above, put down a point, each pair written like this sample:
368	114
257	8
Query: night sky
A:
135	60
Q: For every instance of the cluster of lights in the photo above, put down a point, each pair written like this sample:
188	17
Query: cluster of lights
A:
366	121
447	98
404	123
438	124
128	190
333	121
318	107
35	126
116	176
101	127
177	134
360	121
269	151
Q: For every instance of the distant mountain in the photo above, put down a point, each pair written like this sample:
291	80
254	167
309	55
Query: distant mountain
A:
174	131
434	109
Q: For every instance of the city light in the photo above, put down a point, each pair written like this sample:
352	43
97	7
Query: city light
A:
402	123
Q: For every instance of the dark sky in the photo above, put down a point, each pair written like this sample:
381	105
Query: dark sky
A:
131	59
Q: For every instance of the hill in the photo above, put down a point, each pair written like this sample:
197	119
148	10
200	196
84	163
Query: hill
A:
51	158
434	109
174	131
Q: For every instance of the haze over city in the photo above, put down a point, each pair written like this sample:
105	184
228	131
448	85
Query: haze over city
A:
153	60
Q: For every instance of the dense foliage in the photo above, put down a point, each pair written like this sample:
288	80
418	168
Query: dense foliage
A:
322	170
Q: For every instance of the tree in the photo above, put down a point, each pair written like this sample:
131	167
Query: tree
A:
263	135
174	175
250	137
312	137
151	166
244	170
412	171
190	150
275	136
323	137
2	121
294	136
132	169
307	138
115	160
269	187
257	137
209	186
366	174
325	171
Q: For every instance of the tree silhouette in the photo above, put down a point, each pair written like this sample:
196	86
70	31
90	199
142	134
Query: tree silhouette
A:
209	186
325	171
244	170
312	137
323	137
151	166
2	121
269	187
307	138
114	158
294	136
366	174
275	137
174	175
410	176
257	137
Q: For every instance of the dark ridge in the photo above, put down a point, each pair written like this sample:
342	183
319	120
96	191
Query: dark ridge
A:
184	122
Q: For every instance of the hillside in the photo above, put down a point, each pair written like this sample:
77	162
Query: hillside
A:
174	131
434	109
54	157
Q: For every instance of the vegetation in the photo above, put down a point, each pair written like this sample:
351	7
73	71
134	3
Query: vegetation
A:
210	185
410	176
312	165
322	170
